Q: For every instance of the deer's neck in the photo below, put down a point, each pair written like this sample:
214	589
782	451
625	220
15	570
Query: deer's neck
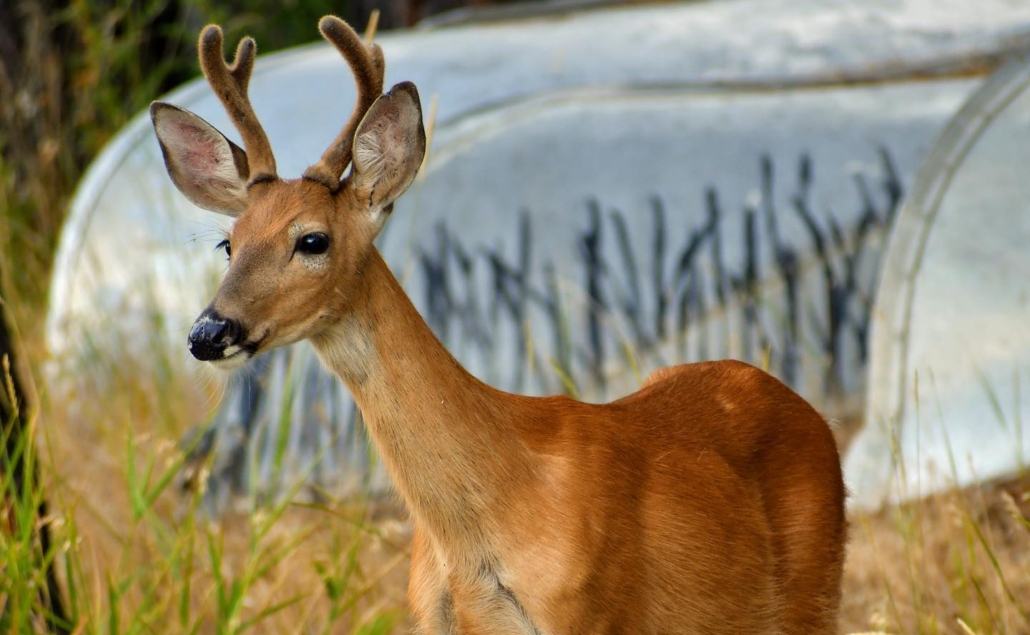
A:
446	438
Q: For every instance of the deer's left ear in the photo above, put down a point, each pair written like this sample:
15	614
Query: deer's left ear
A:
388	146
208	168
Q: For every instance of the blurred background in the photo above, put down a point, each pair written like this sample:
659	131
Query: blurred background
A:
830	190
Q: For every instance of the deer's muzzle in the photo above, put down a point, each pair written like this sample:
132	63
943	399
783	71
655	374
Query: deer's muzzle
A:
212	337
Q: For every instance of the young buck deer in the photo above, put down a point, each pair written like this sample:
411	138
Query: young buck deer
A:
711	501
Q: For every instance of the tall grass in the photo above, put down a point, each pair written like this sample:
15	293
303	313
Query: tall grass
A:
955	562
138	555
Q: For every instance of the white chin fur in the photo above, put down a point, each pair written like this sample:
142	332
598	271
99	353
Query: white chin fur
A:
235	358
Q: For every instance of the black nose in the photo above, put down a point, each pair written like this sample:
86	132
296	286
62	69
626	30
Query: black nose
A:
211	335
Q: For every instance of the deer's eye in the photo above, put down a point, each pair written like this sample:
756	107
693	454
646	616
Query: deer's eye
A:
314	244
226	246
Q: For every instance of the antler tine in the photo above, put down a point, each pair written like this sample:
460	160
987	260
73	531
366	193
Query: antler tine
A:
367	63
230	83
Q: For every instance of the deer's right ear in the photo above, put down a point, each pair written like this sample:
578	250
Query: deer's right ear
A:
208	169
389	146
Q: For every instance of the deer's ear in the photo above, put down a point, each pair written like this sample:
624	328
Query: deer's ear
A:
208	169
389	145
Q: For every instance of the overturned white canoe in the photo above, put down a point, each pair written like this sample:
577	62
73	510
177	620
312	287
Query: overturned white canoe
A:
510	242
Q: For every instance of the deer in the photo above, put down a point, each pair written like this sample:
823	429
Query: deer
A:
709	501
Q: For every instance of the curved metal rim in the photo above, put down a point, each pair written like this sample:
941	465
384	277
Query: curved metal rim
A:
888	368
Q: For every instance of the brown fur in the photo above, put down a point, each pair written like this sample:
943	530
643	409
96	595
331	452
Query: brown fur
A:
710	501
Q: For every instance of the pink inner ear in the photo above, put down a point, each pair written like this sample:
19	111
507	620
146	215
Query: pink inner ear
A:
201	163
200	149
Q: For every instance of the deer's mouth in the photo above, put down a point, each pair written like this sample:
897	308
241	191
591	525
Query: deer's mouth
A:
236	355
233	357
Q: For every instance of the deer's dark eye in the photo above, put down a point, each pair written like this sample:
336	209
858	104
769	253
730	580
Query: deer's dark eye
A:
226	246
314	244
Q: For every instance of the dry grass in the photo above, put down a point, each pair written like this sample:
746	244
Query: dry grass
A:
138	554
957	562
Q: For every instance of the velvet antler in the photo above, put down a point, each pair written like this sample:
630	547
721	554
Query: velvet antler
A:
230	84
367	64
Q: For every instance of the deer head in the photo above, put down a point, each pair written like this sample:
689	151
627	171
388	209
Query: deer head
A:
298	247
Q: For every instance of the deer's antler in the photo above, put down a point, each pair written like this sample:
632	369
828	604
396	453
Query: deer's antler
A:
230	84
367	64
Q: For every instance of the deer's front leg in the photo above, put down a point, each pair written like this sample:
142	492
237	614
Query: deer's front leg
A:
431	603
482	605
449	602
